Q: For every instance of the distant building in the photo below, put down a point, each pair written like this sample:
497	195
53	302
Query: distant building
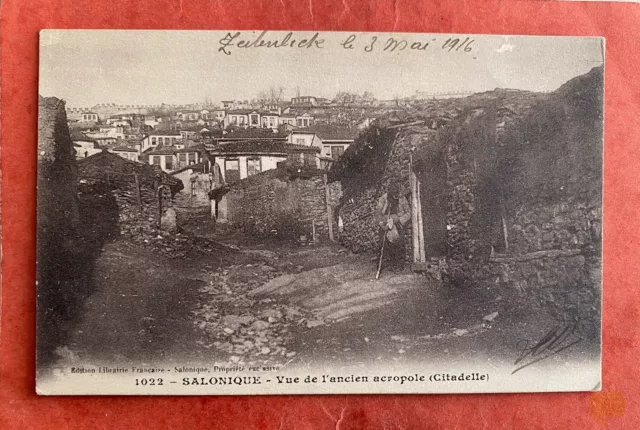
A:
170	158
241	159
243	118
198	181
218	115
270	120
304	120
89	116
127	152
160	137
332	141
304	101
84	146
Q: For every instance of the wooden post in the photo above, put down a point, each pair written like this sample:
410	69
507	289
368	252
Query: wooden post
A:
415	243
313	231
159	218
329	208
422	256
138	192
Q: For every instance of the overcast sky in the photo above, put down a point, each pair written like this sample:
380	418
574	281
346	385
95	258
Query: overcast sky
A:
85	67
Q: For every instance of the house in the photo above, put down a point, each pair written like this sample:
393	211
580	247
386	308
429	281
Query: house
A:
228	104
188	115
107	135
270	120
127	152
189	156
154	138
305	137
198	180
187	134
332	140
304	120
84	146
241	159
218	115
243	118
89	117
304	101
163	157
170	158
288	120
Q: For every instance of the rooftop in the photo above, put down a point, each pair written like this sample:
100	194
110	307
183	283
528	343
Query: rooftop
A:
162	133
260	147
328	133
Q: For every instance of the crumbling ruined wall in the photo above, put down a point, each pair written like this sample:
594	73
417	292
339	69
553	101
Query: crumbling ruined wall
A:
137	215
275	204
382	155
134	219
524	193
68	237
553	202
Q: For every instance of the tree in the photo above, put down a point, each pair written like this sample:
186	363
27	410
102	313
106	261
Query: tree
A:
273	94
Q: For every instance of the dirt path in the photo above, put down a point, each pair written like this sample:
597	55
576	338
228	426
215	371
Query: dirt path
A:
141	307
283	304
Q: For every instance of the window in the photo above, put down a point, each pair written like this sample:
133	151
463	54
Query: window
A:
336	152
253	166
153	141
231	171
168	162
300	141
254	119
155	160
182	159
193	158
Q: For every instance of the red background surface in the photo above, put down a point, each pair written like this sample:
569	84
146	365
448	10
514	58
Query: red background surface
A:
615	407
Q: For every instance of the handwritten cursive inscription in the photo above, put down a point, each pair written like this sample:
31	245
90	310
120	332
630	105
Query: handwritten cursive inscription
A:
231	40
396	43
556	340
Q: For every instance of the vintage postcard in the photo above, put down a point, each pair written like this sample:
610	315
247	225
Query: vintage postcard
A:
275	212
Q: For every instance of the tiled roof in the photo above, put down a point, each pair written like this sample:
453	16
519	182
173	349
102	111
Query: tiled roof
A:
328	132
243	111
162	150
261	147
162	133
195	148
124	149
107	164
78	136
199	167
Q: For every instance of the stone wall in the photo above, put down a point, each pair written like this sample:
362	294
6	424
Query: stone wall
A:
275	204
108	173
69	234
538	211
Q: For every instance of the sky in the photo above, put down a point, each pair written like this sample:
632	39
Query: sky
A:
85	67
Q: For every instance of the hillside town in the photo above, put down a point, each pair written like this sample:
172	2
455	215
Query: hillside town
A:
295	233
208	145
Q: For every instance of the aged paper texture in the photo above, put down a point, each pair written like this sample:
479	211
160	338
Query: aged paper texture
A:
274	212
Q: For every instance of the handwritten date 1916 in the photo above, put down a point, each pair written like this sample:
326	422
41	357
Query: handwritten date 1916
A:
556	340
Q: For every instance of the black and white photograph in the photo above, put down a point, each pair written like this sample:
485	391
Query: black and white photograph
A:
300	212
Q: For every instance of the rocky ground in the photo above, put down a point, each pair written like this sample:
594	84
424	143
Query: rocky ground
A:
180	298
